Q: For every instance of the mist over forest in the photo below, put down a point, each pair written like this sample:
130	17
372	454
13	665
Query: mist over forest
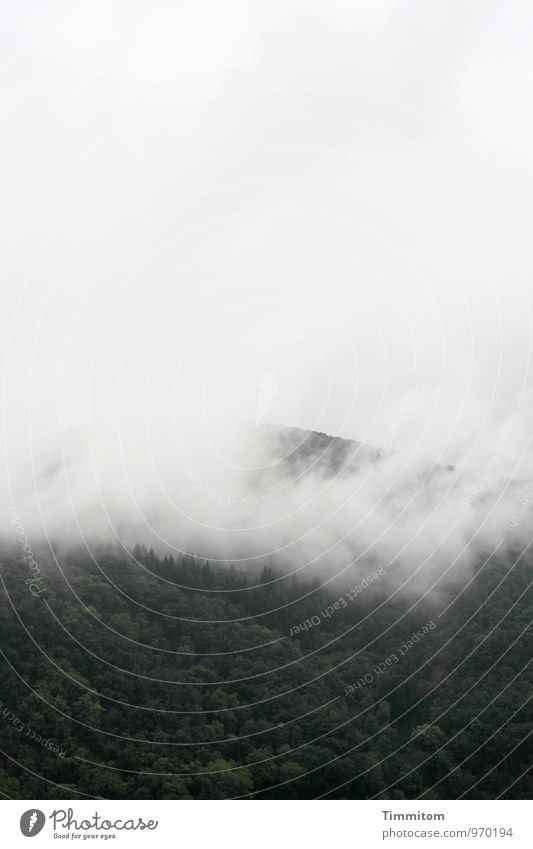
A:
266	467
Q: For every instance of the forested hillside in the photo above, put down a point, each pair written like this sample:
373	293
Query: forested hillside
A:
141	677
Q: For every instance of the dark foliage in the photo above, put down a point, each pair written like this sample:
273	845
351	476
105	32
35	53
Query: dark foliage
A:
164	678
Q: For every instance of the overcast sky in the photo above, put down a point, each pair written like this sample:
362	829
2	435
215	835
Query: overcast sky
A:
293	211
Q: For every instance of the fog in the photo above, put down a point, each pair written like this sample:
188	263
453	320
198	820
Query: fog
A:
220	216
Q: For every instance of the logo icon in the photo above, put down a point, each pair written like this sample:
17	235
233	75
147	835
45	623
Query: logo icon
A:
32	822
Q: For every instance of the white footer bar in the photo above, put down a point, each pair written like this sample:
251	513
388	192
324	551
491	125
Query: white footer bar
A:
267	824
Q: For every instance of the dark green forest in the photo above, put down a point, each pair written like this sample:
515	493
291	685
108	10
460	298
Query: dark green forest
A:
141	677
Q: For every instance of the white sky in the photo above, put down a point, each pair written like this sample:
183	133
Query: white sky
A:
198	195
